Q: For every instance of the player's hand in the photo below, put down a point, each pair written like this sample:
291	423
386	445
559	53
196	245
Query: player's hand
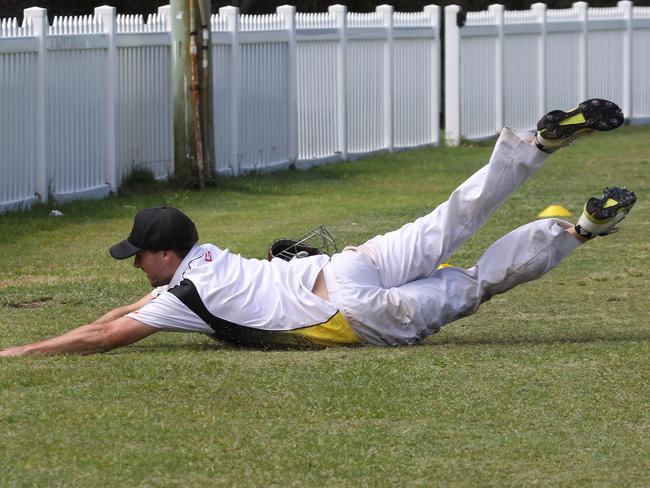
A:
14	351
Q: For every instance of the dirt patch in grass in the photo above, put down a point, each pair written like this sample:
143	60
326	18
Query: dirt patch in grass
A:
34	303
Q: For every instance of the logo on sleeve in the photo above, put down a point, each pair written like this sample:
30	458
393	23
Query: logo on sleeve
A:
208	256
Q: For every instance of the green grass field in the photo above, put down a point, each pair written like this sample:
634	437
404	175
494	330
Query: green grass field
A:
547	385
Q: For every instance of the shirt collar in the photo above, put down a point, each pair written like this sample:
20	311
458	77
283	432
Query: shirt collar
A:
194	253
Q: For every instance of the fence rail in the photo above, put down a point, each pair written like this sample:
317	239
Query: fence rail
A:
87	99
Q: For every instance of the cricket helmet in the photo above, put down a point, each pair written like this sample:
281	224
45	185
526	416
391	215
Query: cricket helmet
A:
317	241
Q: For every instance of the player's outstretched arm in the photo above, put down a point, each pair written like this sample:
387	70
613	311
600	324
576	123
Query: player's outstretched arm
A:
118	312
88	339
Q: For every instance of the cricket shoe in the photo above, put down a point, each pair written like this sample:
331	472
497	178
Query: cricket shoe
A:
559	128
602	214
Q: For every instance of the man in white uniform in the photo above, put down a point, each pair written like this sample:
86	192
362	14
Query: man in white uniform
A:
388	291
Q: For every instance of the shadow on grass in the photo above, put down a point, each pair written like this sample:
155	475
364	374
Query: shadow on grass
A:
430	343
208	346
527	340
215	345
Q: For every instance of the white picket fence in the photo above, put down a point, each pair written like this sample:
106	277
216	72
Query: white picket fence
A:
507	68
86	100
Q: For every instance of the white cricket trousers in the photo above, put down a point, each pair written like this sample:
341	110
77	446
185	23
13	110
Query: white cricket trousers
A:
390	288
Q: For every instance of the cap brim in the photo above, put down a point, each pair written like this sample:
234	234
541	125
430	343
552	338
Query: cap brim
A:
123	250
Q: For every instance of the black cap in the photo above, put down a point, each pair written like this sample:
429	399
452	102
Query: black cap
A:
157	229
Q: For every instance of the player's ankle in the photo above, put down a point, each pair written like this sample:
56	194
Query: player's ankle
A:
572	231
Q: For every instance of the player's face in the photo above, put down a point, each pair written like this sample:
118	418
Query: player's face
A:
155	266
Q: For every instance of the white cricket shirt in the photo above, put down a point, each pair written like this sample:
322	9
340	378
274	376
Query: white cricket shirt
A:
270	295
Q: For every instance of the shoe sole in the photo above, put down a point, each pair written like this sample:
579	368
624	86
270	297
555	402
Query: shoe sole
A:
600	210
594	114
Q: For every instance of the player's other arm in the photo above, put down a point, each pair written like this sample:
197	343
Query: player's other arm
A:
119	312
88	339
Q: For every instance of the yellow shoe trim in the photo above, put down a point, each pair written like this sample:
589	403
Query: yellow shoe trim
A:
610	203
576	119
